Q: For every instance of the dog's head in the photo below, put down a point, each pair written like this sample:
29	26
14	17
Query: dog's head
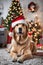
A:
20	33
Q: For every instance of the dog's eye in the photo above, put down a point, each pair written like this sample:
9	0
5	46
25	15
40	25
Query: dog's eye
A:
22	24
17	25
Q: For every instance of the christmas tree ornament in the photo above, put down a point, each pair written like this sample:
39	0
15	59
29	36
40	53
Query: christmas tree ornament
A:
8	18
35	25
33	29
39	30
14	2
19	8
13	7
35	35
29	30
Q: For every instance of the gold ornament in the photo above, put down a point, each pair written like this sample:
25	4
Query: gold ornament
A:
10	12
28	29
34	29
14	2
17	12
7	25
11	16
13	7
8	18
39	30
16	9
35	35
35	25
19	8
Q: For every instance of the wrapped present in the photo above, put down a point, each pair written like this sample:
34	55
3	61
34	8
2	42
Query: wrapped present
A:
3	35
40	46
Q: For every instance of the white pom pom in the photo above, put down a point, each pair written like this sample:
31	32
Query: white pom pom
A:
11	34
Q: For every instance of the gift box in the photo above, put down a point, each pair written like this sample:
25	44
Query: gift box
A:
40	46
3	35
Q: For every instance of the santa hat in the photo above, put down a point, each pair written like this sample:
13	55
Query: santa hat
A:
19	20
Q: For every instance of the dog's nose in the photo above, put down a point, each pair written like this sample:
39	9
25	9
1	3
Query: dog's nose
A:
20	30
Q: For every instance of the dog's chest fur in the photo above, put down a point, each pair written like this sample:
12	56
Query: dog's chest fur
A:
20	49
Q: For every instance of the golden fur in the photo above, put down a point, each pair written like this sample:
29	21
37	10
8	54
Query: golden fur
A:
21	45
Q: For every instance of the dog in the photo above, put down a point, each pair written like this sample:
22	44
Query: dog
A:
20	48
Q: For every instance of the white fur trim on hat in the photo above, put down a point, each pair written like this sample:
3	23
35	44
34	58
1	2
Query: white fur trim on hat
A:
17	22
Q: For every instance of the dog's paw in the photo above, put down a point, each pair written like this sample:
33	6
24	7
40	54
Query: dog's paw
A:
20	60
14	60
8	50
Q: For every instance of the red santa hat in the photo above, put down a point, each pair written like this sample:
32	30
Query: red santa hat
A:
19	20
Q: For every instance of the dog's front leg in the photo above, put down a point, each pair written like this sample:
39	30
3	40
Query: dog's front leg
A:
9	48
25	56
13	56
11	45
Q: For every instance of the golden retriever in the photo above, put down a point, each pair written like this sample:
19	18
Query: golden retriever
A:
21	48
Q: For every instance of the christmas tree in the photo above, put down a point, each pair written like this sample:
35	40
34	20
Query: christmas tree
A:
15	10
35	29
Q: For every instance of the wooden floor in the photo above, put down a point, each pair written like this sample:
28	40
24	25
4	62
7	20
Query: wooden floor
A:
5	59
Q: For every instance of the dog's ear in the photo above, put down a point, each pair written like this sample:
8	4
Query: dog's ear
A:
14	33
27	28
